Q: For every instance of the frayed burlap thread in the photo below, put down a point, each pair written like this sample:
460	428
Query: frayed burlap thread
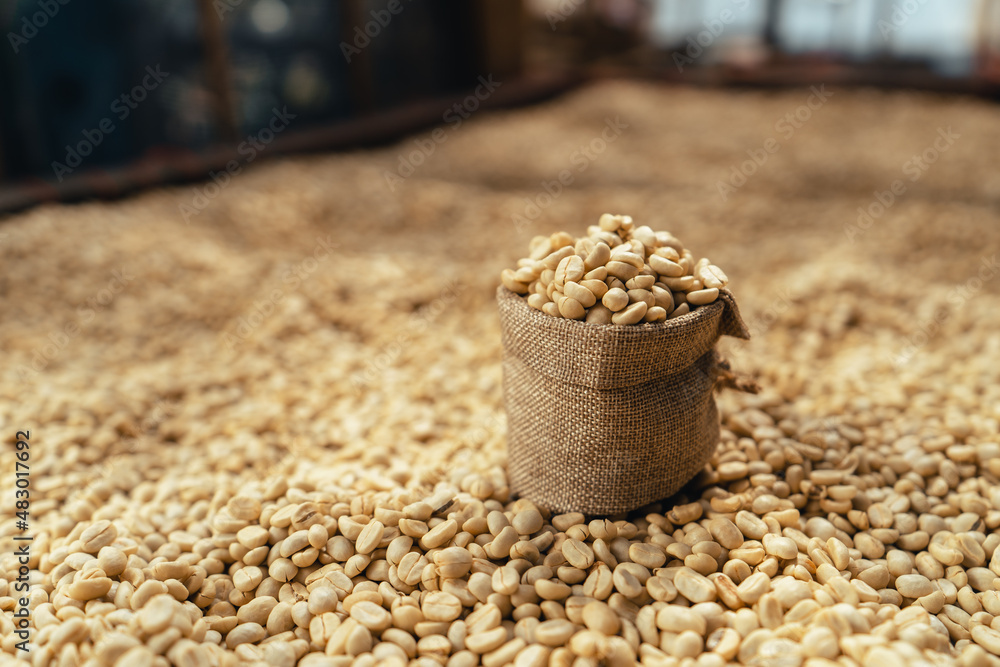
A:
603	419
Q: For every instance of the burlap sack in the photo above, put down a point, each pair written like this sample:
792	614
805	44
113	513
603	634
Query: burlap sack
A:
606	419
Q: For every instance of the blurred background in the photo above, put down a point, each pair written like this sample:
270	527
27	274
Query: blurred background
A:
102	97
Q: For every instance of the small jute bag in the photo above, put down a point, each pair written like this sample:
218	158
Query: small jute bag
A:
603	419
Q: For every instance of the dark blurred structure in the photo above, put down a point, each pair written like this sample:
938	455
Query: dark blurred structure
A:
98	97
170	88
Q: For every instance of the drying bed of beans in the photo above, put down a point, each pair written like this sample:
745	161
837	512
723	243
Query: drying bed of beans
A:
279	439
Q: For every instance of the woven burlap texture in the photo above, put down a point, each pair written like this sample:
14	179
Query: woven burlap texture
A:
603	419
